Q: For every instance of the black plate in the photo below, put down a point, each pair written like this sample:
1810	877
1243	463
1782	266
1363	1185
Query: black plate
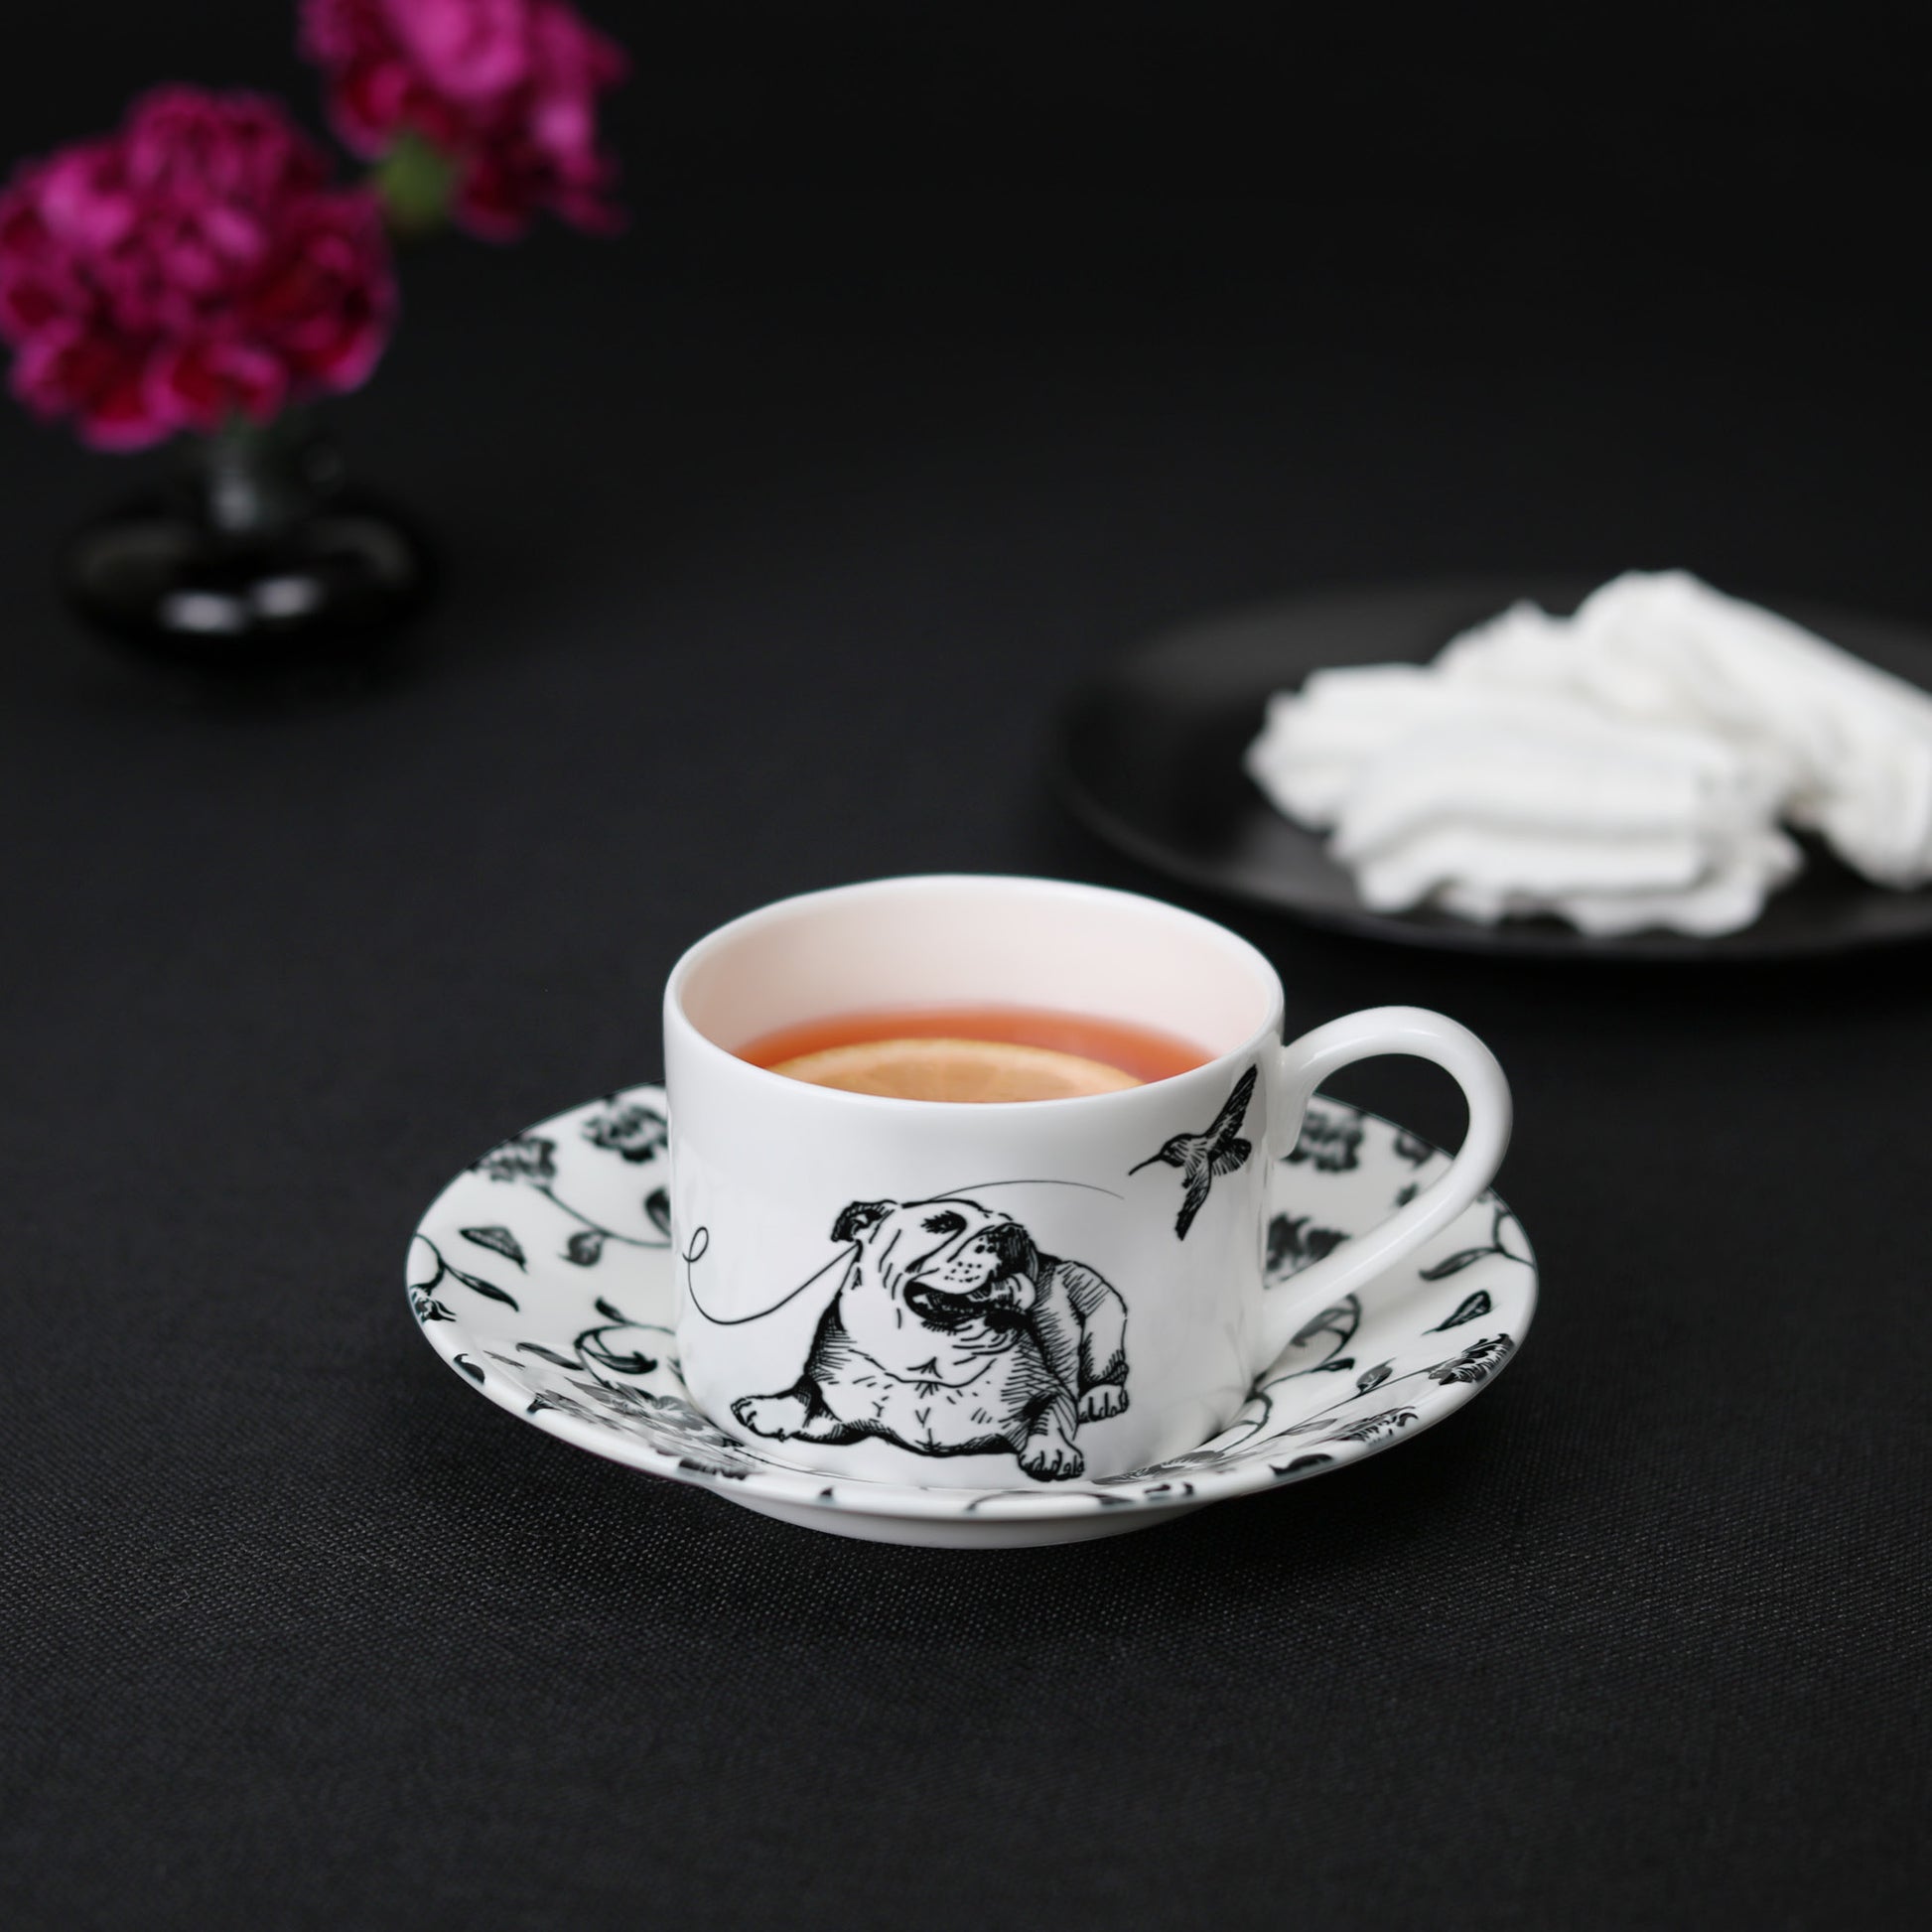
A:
1150	760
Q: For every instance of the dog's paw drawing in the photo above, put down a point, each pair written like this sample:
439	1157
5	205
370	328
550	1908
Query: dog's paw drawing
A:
1052	1458
1103	1400
770	1414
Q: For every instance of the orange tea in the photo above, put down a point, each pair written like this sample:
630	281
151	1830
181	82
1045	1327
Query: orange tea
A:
972	1053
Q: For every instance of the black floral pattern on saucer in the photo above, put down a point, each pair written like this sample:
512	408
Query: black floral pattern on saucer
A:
628	1128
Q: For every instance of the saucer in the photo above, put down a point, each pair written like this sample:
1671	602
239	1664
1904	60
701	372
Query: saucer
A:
544	1277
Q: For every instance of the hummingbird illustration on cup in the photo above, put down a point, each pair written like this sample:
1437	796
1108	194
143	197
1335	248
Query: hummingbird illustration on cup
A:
1201	1156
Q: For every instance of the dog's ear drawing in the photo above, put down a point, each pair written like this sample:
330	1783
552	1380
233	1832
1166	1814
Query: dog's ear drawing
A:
857	1216
1014	1247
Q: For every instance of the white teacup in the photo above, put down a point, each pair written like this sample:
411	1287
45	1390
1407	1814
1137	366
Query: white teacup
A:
1012	1293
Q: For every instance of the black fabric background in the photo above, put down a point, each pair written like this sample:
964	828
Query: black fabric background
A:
943	359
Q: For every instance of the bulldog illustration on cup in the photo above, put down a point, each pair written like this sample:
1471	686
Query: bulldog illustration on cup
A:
951	1334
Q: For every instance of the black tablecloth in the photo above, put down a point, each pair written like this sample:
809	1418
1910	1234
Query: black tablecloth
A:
776	533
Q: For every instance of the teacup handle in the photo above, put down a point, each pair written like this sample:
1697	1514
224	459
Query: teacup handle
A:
1306	1063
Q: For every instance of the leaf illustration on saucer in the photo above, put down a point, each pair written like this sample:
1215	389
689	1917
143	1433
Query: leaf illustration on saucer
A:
1293	1245
1319	1345
1373	1378
1299	1464
501	1240
714	1468
1329	1137
1341	1322
1455	1264
657	1204
469	1369
593	1347
585	1246
666	1424
527	1158
1507	1225
563	1404
489	1289
550	1355
1477	1363
1466	1309
1374	1429
1501	1227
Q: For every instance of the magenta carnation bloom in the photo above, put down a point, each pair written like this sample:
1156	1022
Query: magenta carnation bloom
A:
505	90
191	267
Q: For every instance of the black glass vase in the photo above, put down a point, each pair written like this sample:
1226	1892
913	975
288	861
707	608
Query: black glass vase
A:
258	563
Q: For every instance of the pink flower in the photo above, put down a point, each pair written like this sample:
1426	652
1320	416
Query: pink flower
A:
193	265
506	89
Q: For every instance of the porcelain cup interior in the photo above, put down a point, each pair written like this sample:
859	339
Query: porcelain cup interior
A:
983	941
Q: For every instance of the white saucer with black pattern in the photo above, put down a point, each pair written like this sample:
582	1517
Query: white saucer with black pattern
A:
543	1276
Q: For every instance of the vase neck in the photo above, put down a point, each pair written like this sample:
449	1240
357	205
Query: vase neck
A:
251	481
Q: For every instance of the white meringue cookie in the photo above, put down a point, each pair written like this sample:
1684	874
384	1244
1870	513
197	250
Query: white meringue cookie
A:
1623	768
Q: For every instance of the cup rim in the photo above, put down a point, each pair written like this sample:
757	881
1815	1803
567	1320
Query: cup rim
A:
695	955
